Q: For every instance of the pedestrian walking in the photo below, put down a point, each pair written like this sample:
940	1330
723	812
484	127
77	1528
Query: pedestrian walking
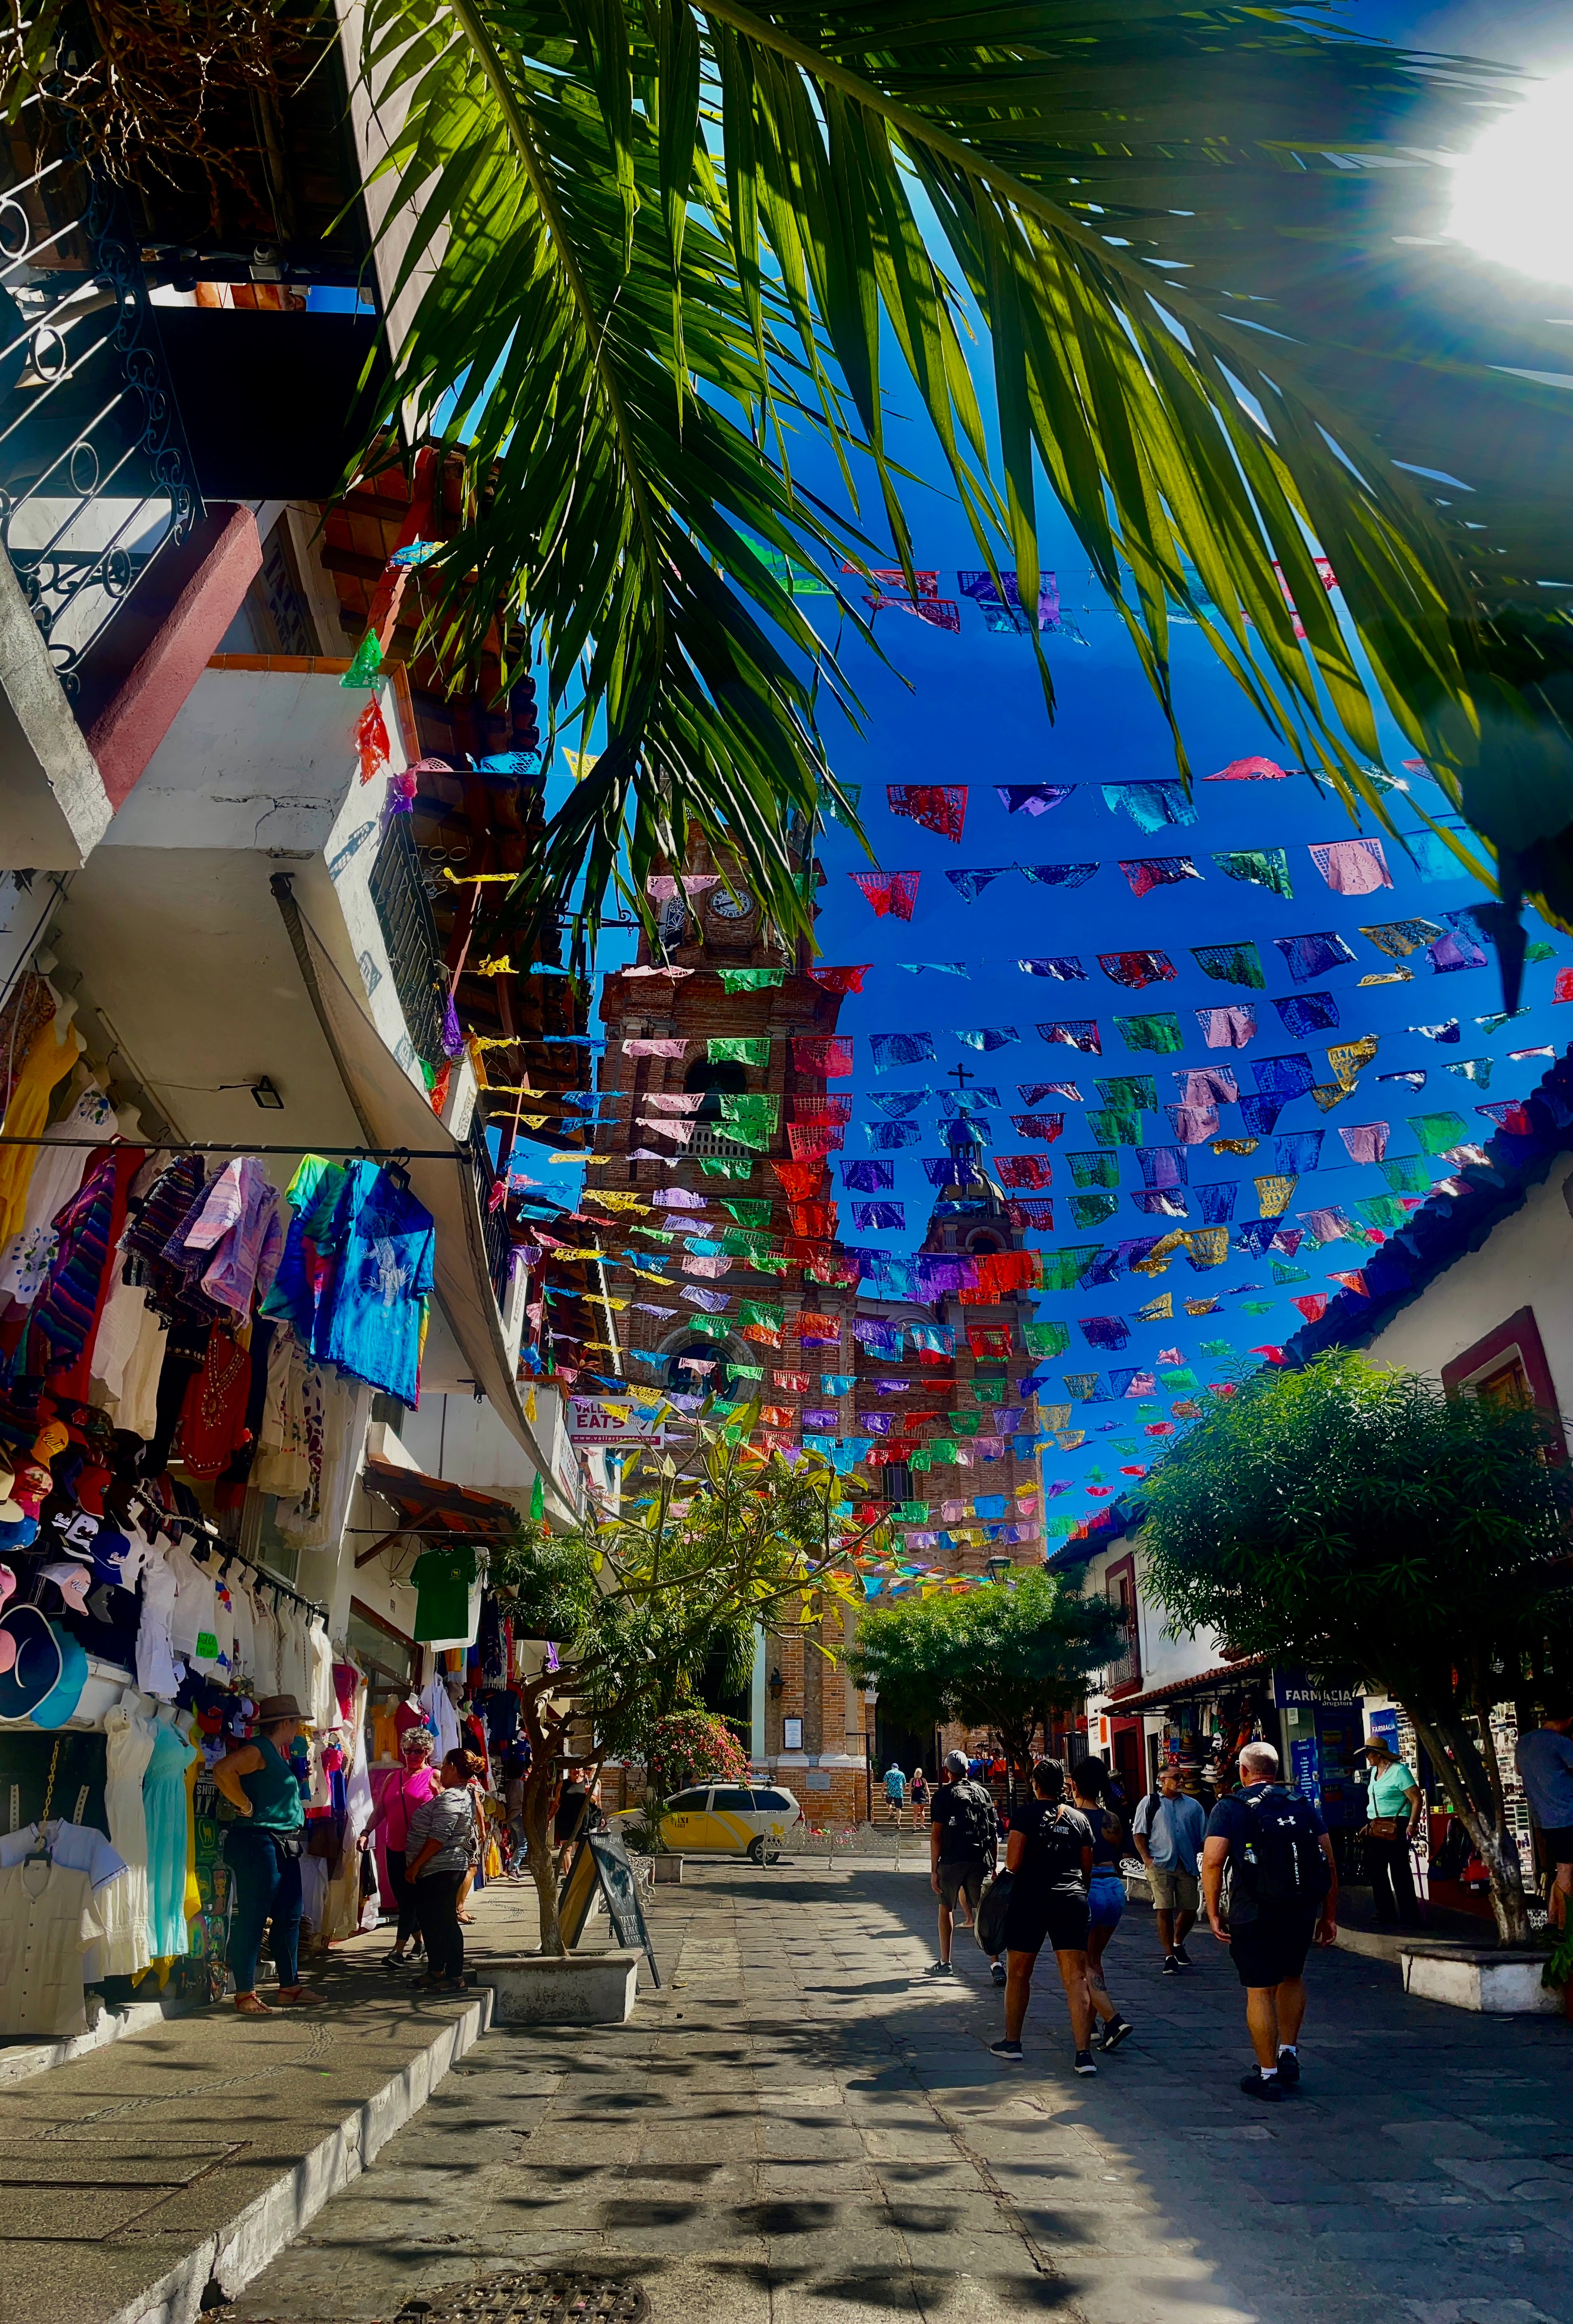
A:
1105	1891
444	1842
1393	1807
1049	1855
962	1827
1168	1831
895	1791
1544	1758
1282	1897
919	1793
413	1781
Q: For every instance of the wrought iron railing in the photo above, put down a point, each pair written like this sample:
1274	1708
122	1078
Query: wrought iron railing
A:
403	911
1126	1669
94	475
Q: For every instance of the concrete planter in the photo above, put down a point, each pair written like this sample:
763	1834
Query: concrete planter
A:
1500	1984
580	1989
666	1867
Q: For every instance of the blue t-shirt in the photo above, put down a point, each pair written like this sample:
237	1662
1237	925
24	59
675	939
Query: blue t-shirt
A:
1174	1831
382	1243
1545	1769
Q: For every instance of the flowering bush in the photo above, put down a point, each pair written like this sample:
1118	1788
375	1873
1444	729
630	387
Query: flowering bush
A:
693	1746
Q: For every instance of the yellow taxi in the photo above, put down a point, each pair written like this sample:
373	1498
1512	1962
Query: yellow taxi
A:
725	1820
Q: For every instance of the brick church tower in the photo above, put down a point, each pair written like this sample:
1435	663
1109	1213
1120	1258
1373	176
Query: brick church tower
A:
717	1119
940	1384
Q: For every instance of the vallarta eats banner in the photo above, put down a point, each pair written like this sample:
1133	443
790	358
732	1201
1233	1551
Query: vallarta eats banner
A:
594	1424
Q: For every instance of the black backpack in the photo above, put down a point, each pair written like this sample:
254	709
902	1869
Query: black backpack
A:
974	1821
1280	1864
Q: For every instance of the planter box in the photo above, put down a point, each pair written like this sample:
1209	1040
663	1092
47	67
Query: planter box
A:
666	1867
1500	1984
581	1989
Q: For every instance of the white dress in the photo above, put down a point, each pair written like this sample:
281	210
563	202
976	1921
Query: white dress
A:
156	1673
124	1951
322	1703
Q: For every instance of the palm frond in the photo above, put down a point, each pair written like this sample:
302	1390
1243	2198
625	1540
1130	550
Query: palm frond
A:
1202	241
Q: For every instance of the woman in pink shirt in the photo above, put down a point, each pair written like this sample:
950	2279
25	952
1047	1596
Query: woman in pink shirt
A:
416	1780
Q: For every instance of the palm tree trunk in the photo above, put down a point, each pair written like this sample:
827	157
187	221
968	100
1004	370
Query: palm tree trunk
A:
1478	1800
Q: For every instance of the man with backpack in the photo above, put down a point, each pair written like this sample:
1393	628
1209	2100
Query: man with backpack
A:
1282	1897
962	1835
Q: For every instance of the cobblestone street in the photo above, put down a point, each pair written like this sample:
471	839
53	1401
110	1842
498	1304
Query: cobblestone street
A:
800	2126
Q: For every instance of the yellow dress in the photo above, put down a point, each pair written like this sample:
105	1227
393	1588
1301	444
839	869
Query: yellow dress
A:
47	1062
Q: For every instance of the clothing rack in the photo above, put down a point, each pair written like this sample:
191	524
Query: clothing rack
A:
204	1526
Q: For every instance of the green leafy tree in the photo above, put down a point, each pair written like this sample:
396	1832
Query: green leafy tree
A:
1006	1657
636	249
636	1608
1357	1520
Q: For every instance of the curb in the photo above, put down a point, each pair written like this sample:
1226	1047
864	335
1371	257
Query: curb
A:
229	2260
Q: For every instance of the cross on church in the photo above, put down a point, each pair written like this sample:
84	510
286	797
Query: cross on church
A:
959	1074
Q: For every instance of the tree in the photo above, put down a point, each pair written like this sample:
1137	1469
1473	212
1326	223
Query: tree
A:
1005	1657
635	1608
1357	1520
638	248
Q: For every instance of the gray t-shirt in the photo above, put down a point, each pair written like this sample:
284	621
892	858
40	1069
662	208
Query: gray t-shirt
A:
449	1818
1173	1830
1545	1767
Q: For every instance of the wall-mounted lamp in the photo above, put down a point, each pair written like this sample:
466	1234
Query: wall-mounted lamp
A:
265	1095
776	1683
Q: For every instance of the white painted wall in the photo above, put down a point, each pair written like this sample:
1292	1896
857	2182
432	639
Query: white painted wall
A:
1527	1262
1166	1657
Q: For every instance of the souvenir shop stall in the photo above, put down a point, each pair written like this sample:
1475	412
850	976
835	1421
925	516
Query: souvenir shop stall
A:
463	1692
182	1346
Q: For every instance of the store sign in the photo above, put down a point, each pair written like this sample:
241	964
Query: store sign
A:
1293	1691
593	1423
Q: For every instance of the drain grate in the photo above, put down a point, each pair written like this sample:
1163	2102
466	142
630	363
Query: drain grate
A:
536	2296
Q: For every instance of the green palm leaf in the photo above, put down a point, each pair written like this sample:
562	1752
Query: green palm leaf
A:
659	237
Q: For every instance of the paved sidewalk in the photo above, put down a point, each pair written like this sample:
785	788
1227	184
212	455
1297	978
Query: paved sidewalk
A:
799	2128
137	2174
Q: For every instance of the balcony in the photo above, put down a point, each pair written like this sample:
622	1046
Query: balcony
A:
403	911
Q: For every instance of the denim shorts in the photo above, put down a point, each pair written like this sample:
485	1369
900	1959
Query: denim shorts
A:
1106	1900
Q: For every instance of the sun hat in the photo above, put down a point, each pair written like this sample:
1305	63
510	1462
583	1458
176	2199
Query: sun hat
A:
34	1668
272	1708
62	1700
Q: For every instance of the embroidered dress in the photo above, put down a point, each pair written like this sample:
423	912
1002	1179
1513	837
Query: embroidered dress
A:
58	1339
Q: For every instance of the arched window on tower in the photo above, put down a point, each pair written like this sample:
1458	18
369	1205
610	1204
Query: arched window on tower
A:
728	1078
683	1381
983	1242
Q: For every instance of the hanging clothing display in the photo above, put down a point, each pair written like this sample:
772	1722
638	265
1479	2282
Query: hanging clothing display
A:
54	1051
130	1746
49	1920
167	1809
57	1174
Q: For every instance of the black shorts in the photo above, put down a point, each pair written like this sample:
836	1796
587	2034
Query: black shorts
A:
965	1878
1557	1839
1272	1948
1057	1919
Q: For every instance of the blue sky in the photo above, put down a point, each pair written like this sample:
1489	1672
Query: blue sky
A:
967	709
